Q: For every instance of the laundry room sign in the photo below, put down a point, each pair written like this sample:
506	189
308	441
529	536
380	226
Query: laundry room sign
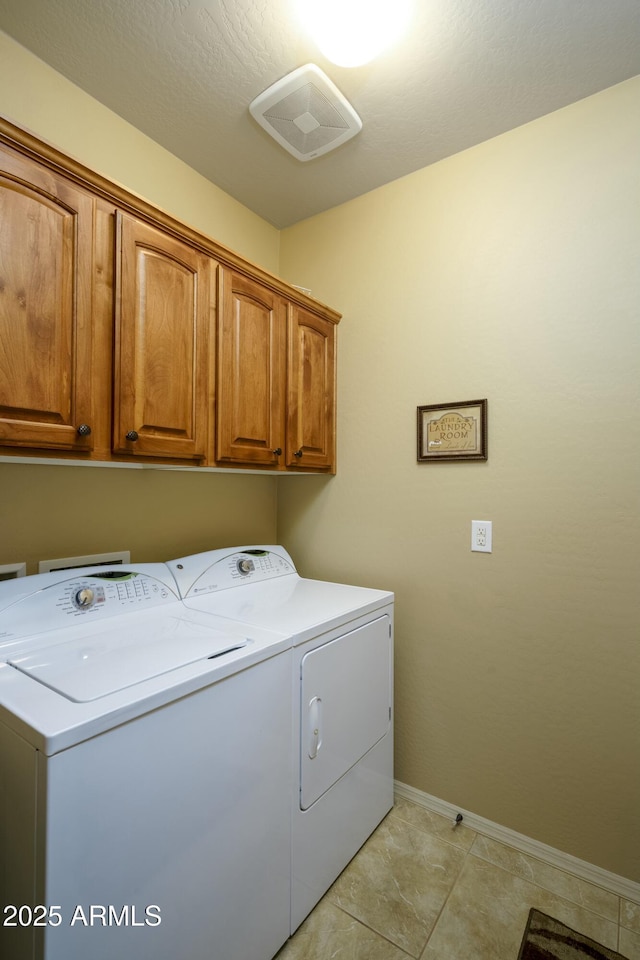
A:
452	431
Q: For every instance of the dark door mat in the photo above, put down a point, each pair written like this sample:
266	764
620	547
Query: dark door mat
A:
548	939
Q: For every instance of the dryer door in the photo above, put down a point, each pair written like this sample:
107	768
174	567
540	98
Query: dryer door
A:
345	705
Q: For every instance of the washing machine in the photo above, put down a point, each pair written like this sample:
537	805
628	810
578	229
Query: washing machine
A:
145	765
342	697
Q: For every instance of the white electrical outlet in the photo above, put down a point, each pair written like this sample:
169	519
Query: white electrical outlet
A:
481	536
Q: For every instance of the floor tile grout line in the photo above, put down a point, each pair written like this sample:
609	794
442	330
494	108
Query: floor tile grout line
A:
377	932
438	836
562	896
619	947
551	866
467	854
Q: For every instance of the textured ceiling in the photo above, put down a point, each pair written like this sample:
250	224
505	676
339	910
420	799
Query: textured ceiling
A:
185	71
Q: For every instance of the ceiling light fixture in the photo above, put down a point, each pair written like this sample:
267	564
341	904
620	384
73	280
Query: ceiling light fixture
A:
350	33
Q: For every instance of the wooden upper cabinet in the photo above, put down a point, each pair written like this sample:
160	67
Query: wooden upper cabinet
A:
46	237
311	387
163	319
127	335
275	380
250	372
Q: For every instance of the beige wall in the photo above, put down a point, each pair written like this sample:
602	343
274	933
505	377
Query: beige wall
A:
511	272
60	511
68	511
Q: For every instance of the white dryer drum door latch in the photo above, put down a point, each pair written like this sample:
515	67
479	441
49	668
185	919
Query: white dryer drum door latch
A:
314	727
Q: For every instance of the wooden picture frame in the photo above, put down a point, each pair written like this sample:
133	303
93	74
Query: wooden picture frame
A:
452	431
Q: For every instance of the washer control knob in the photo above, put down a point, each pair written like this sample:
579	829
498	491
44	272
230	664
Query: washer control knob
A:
245	566
84	598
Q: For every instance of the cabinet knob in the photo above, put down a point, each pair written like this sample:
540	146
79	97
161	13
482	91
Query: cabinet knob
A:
277	451
83	430
132	435
298	453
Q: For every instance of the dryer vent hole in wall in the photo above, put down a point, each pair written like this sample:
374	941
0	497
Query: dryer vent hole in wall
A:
9	571
90	560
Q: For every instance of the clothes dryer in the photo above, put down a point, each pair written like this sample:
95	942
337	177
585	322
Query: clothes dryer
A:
146	773
342	697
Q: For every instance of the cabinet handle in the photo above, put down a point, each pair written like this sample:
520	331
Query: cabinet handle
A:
298	453
277	451
83	430
132	435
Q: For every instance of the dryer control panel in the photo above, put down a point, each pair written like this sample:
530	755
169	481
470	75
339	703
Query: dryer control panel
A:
216	570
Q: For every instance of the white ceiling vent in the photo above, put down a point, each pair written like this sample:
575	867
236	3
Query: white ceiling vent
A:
306	113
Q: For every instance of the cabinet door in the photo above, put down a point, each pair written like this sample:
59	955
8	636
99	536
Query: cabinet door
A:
164	303
310	391
45	307
251	371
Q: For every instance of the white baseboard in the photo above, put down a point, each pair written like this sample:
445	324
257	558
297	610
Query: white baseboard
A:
564	861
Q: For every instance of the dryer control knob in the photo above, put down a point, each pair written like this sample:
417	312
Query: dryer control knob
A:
84	598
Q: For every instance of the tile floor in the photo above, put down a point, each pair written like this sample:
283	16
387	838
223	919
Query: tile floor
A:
421	889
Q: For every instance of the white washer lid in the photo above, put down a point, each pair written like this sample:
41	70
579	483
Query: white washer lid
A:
108	659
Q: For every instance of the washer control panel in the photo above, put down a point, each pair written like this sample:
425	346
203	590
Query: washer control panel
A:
58	600
120	593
